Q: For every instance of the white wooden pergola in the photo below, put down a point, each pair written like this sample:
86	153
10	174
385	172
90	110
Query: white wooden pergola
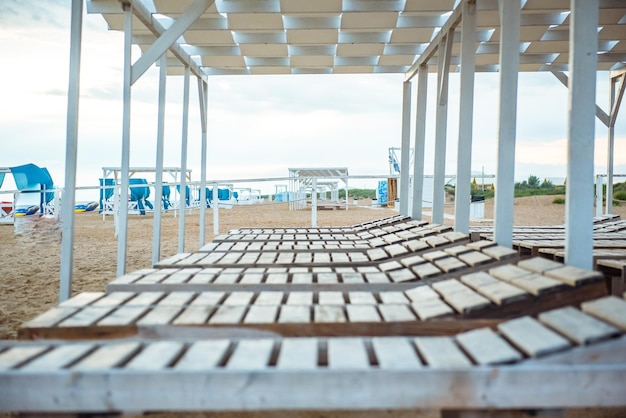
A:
412	37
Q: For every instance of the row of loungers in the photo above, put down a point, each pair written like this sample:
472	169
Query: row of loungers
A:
414	316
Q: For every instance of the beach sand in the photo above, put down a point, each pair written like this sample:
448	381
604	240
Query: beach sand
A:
30	261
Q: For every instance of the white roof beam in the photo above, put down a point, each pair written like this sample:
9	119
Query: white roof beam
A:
167	38
600	114
451	23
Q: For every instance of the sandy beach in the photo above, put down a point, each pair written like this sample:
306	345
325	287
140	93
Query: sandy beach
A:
30	260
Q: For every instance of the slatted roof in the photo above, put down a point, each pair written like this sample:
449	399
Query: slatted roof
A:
355	36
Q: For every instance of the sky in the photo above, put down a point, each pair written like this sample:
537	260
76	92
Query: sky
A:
258	126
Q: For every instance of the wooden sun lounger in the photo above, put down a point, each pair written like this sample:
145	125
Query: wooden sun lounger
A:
563	358
361	227
444	307
376	270
615	273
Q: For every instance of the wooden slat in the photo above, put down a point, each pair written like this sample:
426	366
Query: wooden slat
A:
300	298
159	316
298	353
347	353
539	264
492	288
441	352
155	356
228	315
396	313
145	298
59	357
577	326
82	299
107	356
203	355
431	308
395	353
269	297
574	276
330	298
194	315
363	313
499	252
261	314
125	315
87	316
251	355
17	355
537	284
176	298
361	298
294	314
50	317
391	297
610	309
208	299
238	298
532	337
330	314
487	347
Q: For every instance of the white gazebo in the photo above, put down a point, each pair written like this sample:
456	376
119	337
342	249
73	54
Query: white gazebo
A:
410	37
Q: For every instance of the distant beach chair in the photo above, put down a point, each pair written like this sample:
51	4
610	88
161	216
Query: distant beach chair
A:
106	195
165	197
30	178
139	196
186	197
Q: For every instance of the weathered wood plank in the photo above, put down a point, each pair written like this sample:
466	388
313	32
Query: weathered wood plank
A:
107	356
347	353
363	313
194	315
251	354
261	314
395	353
59	357
82	299
155	356
328	314
298	353
487	347
441	352
577	326
532	337
203	355
294	314
17	355
610	309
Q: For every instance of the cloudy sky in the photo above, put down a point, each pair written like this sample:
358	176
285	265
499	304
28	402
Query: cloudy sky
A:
259	126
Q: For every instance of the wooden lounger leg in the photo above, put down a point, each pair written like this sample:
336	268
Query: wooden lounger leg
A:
500	413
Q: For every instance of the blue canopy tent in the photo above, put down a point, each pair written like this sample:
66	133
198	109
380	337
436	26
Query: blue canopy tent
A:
31	178
106	193
165	196
140	195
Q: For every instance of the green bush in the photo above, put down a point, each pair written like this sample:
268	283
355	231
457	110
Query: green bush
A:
558	200
620	195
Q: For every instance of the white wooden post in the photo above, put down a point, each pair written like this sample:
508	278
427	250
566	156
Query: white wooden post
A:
581	131
599	195
71	151
122	207
466	116
202	98
420	139
183	163
158	187
313	204
441	120
406	152
509	67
